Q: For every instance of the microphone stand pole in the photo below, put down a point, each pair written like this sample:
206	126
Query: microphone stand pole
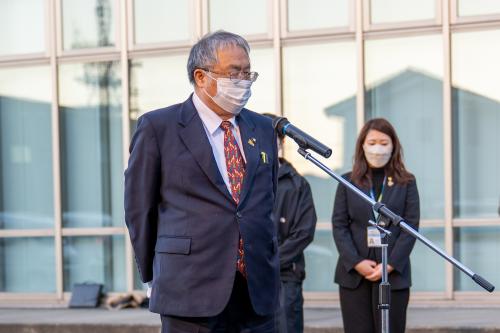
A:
399	221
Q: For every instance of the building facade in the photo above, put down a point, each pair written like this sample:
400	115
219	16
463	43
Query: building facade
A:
76	74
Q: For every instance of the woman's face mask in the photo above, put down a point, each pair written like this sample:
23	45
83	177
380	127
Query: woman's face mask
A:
377	155
231	96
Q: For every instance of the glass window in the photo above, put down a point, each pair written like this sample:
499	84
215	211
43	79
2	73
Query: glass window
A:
478	7
476	120
15	16
427	267
88	23
95	259
263	98
138	285
239	16
390	11
324	14
91	144
321	257
26	183
404	85
22	259
477	248
157	83
319	96
161	20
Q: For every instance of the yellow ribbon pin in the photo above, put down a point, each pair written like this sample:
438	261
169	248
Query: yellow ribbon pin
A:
263	157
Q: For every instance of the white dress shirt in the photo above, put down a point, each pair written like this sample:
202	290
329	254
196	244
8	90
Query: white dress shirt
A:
211	122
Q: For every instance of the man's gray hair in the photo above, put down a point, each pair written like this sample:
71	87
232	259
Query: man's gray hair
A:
203	54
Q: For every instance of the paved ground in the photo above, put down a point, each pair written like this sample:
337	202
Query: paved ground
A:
420	319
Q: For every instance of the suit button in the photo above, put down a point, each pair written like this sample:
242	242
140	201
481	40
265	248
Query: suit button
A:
238	215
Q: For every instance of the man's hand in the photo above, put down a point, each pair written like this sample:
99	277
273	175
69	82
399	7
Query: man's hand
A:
365	267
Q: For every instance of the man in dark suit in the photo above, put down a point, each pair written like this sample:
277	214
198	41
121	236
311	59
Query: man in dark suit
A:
199	193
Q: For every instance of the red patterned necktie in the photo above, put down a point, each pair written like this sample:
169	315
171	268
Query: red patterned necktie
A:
236	172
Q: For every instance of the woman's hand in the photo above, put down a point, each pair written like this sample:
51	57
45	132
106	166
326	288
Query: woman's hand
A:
365	267
377	273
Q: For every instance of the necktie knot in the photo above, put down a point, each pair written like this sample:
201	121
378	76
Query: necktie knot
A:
225	125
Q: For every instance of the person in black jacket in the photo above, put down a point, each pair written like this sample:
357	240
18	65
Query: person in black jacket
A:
378	171
295	217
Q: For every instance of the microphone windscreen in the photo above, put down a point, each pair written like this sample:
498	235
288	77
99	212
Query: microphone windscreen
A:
279	123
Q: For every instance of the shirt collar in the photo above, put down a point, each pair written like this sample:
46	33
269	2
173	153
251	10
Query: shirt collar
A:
211	120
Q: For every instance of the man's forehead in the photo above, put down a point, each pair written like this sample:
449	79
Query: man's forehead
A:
233	56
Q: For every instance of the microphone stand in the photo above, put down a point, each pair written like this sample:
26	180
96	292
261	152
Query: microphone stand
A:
384	289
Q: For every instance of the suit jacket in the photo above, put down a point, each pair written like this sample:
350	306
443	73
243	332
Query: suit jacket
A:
184	224
350	220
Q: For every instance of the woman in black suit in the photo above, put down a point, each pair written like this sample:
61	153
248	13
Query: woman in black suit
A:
378	171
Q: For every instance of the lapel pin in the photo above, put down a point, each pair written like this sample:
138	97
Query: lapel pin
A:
389	181
251	141
263	157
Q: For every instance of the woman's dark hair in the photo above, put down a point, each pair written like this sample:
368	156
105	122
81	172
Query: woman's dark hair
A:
395	168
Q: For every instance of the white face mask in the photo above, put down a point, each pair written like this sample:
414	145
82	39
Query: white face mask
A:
231	96
377	155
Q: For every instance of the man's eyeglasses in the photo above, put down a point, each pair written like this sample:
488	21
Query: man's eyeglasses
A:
237	76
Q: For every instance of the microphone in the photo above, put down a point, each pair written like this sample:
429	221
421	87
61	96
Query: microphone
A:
304	140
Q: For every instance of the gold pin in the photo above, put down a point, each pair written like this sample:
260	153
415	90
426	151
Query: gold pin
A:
251	142
389	181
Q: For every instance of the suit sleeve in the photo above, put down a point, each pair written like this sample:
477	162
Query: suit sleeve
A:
405	242
302	231
348	253
142	182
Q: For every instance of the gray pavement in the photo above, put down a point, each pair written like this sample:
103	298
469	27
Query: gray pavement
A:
326	320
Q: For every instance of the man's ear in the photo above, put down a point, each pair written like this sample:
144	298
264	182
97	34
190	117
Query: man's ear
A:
199	78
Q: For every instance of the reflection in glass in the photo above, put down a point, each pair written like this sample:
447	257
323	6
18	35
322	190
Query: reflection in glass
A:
88	23
99	259
263	98
161	21
477	248
26	183
321	257
14	16
324	14
476	111
156	83
404	85
319	96
91	145
427	267
478	7
390	11
27	265
239	16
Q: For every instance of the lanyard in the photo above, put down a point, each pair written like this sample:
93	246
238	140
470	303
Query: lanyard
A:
372	193
379	199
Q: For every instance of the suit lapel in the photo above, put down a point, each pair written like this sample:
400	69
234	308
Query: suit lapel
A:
388	192
247	132
368	211
193	135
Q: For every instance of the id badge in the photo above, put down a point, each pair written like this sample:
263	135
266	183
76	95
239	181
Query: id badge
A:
373	236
